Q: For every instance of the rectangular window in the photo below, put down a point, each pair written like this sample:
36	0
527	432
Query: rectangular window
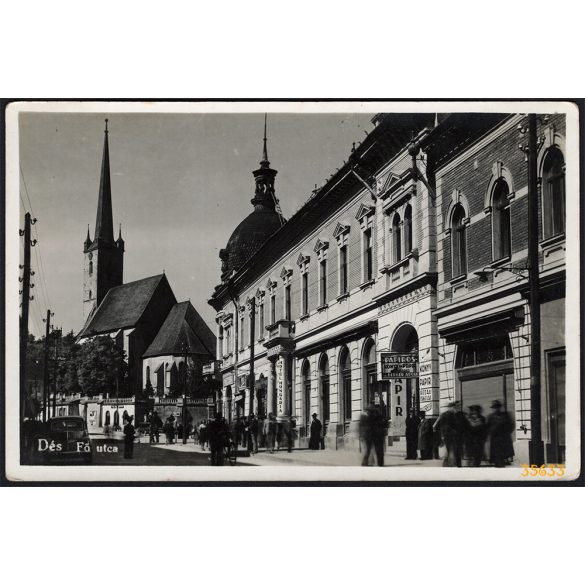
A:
325	398
368	256
323	282
305	293
347	395
287	303
261	322
272	309
343	270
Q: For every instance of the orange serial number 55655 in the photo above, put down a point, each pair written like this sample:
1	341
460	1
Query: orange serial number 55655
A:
550	470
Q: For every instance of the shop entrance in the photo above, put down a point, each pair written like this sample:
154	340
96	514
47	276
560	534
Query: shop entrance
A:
485	372
405	340
555	363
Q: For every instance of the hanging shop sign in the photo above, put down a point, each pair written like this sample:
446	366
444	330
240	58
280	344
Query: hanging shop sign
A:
425	381
399	365
280	385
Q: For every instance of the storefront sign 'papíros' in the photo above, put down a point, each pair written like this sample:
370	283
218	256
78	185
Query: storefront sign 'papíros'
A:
399	365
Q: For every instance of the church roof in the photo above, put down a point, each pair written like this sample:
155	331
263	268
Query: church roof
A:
183	331
123	306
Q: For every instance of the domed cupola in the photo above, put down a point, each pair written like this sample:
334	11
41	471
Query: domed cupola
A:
255	229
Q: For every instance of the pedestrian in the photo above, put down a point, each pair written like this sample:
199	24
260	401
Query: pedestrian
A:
202	434
246	433
461	428
239	431
412	423
154	428
169	429
315	433
253	434
425	436
219	436
372	433
270	432
287	433
499	430
279	434
447	425
129	437
475	436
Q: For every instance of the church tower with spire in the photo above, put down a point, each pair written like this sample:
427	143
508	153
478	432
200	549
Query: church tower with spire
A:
103	256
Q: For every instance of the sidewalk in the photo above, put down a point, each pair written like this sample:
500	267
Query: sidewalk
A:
307	457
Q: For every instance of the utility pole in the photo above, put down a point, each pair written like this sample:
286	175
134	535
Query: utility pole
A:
536	445
55	378
26	285
46	365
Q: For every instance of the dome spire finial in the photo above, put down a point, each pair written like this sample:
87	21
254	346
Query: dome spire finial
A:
264	163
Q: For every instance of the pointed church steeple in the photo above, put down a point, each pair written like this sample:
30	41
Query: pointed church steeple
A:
104	228
104	257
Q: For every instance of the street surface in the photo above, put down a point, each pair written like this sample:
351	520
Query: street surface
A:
191	454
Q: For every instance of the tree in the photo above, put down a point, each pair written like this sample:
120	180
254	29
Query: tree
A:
101	366
68	366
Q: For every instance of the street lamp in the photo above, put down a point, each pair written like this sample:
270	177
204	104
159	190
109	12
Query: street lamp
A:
487	270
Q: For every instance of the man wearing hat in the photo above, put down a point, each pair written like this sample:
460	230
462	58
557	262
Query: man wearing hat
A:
449	427
315	433
499	428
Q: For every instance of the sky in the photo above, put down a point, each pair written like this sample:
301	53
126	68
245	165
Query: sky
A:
181	183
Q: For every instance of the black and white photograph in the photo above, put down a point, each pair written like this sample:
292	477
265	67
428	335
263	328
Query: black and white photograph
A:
292	291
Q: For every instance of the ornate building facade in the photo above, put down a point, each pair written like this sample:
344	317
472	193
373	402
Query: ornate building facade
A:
368	294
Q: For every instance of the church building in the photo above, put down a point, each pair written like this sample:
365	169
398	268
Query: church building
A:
143	316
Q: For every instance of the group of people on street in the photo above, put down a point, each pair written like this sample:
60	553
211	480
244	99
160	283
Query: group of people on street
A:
462	436
172	427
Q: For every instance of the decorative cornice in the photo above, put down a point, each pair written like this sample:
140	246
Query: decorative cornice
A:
341	229
364	211
406	299
302	259
321	244
285	272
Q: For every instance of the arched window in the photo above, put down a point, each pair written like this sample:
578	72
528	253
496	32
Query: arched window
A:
306	382
345	383
107	418
501	232
553	193
90	294
396	239
458	241
369	374
324	389
408	230
90	267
